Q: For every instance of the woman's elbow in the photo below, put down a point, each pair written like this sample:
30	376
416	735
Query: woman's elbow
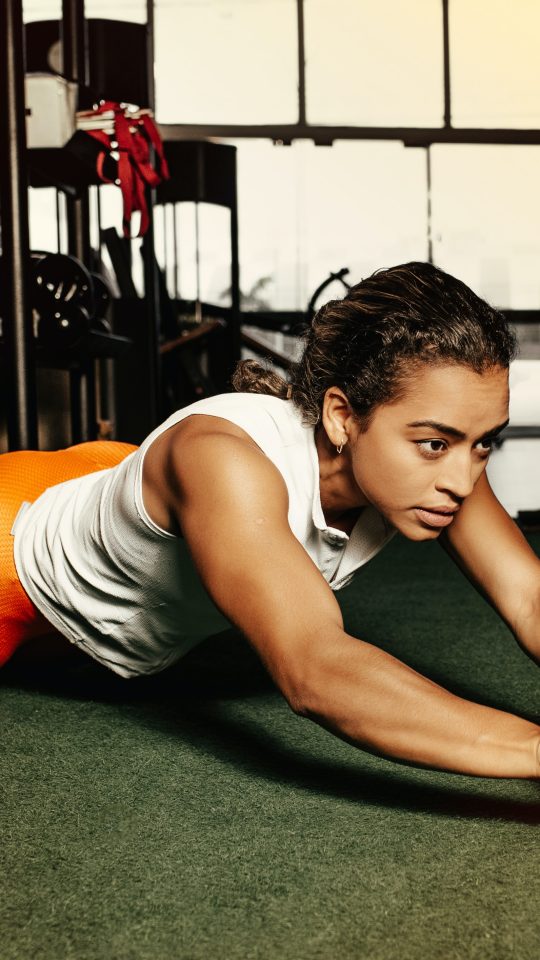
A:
305	690
304	671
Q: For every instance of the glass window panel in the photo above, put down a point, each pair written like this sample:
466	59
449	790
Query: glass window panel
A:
134	11
495	67
374	64
215	254
305	211
41	10
226	61
486	211
203	251
187	244
111	210
164	245
268	199
42	219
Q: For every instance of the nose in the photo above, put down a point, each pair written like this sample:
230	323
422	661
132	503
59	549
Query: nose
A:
459	476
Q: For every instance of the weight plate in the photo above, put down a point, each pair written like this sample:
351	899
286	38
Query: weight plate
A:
58	279
102	296
64	326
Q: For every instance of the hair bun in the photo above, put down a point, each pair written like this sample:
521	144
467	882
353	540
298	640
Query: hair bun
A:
250	376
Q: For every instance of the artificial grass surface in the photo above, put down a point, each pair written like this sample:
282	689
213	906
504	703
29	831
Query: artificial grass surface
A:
192	815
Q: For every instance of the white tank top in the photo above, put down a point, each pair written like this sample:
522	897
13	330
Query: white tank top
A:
126	591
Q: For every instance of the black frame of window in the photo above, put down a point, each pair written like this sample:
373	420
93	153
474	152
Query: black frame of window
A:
325	135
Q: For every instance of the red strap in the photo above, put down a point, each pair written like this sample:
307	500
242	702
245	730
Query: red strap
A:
135	170
157	143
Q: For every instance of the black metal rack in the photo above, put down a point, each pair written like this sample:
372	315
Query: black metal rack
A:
19	381
19	353
200	172
203	172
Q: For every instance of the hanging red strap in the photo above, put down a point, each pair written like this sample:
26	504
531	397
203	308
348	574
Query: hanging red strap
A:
157	143
132	140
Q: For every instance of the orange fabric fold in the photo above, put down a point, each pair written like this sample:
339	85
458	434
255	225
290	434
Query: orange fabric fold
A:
24	475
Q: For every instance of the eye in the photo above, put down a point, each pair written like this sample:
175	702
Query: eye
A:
485	445
431	448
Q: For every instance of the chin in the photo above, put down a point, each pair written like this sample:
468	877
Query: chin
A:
424	534
417	533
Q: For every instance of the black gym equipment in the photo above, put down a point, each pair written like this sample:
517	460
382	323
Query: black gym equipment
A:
61	278
102	300
116	51
68	301
18	386
63	327
340	277
63	298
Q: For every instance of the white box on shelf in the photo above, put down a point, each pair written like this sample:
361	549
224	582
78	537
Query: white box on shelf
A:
51	103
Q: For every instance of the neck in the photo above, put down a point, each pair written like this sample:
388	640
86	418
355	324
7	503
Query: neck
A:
341	498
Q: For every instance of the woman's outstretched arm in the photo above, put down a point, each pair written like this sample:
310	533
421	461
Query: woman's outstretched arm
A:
493	553
231	504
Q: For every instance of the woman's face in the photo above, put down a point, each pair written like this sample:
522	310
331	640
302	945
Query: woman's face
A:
422	455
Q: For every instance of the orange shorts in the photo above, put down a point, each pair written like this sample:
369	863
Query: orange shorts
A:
24	475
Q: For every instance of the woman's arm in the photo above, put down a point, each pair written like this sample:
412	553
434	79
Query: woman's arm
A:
231	504
493	553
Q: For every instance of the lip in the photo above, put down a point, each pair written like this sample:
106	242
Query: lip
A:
436	518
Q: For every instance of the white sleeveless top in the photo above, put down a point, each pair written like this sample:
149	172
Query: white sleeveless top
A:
126	591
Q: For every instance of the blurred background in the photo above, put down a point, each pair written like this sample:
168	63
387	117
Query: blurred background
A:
306	140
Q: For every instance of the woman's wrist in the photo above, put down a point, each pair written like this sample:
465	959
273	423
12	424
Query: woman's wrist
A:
536	773
516	753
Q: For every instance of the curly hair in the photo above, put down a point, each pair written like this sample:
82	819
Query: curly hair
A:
369	343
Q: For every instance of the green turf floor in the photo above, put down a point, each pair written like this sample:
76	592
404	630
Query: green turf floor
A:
192	815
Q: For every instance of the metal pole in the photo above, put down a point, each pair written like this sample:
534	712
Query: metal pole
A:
301	63
175	249
75	67
446	53
236	332
19	375
74	41
151	282
150	78
429	210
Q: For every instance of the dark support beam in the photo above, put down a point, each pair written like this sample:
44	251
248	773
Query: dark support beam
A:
410	136
150	54
235	330
151	330
82	386
19	384
446	56
301	64
429	210
78	226
74	41
75	67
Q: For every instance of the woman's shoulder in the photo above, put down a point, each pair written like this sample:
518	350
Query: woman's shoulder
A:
268	420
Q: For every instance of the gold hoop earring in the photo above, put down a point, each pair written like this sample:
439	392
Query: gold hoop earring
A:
340	448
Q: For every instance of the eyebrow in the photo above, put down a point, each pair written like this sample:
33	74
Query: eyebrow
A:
453	431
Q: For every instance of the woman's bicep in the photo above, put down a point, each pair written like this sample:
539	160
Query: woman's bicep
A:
232	506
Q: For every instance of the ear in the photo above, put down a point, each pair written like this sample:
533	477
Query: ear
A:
337	416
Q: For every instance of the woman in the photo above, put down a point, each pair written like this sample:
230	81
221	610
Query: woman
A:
253	508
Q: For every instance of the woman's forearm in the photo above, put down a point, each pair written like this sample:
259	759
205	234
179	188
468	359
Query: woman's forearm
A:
373	700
